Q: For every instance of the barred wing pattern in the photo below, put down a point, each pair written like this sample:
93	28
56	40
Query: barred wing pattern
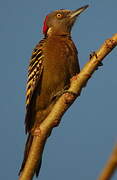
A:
34	71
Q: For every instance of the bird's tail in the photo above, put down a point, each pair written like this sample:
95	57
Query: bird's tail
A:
26	153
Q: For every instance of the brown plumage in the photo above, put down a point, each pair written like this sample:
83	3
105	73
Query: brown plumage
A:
53	63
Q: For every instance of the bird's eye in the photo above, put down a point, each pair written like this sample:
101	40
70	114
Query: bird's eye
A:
59	16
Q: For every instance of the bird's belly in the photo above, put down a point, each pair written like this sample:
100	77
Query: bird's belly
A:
53	82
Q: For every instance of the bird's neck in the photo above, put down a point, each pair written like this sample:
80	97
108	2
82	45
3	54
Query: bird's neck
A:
58	32
61	35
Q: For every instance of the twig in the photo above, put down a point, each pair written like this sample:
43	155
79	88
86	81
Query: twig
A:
110	166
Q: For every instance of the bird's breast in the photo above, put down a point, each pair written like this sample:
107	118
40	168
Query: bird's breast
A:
59	58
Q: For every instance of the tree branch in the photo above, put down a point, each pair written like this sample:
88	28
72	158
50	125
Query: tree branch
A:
110	166
62	104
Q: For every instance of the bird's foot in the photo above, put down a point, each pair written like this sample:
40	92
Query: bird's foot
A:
59	93
100	64
94	54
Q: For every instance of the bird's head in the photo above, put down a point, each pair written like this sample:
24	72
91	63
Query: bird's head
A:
60	22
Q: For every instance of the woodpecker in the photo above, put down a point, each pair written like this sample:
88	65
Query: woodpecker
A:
53	63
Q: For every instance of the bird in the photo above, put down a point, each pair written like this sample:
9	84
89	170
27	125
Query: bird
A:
53	63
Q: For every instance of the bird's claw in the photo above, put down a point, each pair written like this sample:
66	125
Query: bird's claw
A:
94	54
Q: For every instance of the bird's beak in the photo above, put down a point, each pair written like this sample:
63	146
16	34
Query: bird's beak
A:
78	11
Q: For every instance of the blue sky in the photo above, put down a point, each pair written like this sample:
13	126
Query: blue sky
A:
80	146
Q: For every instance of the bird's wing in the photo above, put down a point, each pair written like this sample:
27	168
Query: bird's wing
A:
34	78
34	72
